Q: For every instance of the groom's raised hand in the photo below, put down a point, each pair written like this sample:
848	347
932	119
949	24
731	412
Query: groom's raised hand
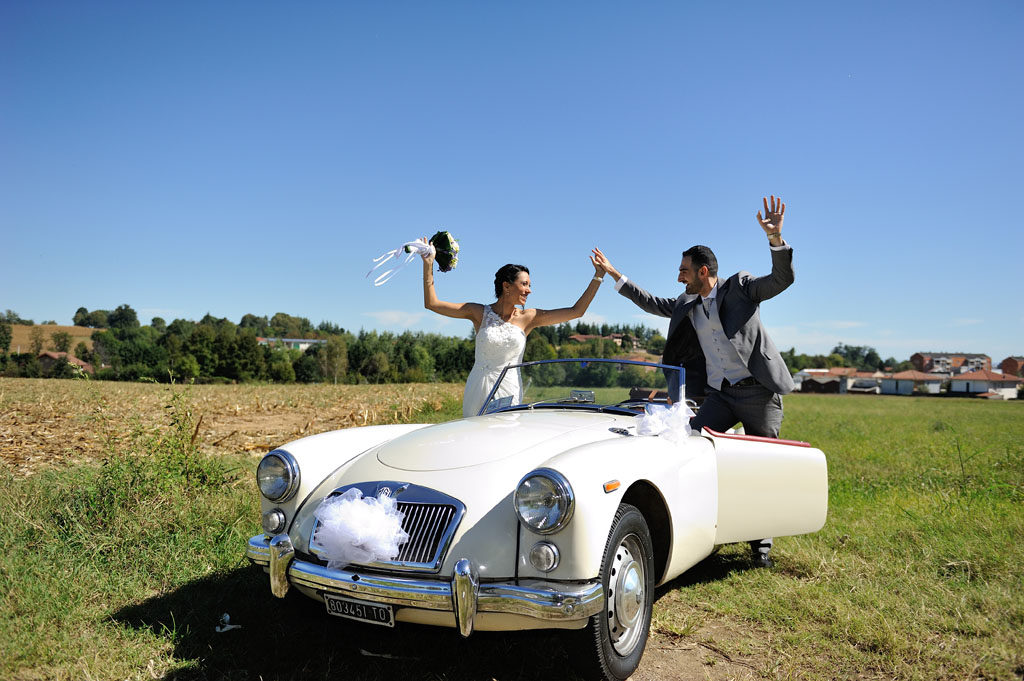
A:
771	221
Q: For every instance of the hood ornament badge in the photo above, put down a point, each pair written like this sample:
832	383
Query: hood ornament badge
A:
385	489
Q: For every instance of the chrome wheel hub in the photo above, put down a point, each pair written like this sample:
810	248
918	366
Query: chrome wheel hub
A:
627	598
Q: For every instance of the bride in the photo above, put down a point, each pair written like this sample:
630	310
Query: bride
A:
501	327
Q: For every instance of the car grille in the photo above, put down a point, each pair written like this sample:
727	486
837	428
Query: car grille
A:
426	525
430	519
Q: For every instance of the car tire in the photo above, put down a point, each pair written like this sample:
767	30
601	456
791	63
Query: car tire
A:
612	643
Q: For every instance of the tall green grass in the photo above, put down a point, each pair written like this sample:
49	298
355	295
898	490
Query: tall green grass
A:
80	543
917	572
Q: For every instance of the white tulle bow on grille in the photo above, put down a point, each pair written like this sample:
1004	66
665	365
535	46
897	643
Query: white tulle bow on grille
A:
358	529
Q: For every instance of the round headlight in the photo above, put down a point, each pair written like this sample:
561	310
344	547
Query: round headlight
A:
278	475
544	501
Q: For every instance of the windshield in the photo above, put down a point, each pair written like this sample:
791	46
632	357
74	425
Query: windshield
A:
587	383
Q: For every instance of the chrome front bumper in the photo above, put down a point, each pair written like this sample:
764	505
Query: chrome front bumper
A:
463	595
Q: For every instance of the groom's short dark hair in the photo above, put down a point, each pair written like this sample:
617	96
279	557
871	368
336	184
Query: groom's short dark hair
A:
702	256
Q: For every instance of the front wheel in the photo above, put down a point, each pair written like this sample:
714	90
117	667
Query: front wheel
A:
612	643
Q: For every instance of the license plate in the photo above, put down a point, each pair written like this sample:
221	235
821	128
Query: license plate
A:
374	613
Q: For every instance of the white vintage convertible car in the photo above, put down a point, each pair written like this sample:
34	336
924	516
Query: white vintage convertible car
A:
562	505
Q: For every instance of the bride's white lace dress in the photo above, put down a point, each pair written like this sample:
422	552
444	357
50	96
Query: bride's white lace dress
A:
498	344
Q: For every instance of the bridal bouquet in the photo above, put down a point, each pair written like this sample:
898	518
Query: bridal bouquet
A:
446	251
443	246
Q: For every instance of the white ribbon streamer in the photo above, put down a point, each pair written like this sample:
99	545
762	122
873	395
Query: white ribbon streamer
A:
413	248
670	422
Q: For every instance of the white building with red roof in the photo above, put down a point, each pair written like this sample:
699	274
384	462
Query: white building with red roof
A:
905	382
979	382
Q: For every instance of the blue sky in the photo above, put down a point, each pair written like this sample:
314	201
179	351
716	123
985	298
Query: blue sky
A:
254	157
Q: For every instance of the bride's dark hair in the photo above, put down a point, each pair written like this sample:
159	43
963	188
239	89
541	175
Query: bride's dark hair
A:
507	273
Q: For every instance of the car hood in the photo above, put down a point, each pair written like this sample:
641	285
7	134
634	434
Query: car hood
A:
489	439
478	461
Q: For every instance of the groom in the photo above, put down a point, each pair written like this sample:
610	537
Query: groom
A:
716	329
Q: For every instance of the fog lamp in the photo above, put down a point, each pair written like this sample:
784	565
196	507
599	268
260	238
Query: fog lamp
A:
544	556
274	521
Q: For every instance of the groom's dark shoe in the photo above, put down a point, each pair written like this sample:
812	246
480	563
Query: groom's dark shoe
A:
761	548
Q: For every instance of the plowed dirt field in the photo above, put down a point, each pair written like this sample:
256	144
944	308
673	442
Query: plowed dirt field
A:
47	422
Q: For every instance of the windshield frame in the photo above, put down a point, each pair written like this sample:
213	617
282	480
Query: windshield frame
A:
579	360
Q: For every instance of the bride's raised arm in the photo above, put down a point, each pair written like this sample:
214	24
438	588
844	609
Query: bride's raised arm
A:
471	311
565	314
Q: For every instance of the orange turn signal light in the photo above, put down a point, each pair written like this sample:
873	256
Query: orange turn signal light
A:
611	486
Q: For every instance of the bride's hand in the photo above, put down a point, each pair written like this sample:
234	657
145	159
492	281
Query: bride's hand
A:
428	256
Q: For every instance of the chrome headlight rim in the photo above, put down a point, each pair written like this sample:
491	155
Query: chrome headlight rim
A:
291	467
564	490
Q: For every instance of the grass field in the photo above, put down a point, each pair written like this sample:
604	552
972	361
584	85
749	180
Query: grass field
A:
122	548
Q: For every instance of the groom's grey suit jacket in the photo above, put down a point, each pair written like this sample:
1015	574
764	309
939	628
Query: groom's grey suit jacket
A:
738	301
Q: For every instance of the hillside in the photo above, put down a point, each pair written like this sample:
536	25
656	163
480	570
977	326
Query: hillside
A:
21	340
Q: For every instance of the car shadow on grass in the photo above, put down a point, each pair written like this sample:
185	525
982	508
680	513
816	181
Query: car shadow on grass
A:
294	638
731	559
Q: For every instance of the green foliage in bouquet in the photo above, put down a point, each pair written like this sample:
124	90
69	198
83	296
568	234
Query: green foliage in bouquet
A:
447	251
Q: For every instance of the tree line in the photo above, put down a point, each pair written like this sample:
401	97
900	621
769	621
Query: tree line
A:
861	357
217	350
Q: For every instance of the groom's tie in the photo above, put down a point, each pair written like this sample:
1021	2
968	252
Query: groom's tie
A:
706	304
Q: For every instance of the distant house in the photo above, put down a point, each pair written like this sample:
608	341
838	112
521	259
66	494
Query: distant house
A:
617	338
48	359
625	341
1012	366
980	382
819	381
950	362
837	380
291	343
583	337
905	382
865	382
823	384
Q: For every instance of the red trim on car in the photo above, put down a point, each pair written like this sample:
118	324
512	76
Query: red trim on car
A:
756	438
